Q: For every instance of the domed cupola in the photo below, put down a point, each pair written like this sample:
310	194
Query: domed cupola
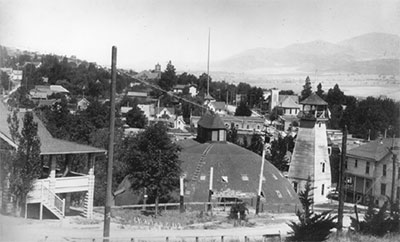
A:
211	128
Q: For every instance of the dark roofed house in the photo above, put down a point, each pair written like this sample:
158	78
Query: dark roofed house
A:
53	181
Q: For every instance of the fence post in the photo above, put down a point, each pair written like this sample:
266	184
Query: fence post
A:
132	240
197	239
166	239
245	238
222	238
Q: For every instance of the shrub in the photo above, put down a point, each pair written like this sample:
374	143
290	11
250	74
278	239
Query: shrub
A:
312	226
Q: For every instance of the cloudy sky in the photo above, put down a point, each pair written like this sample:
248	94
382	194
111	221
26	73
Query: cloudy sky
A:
150	31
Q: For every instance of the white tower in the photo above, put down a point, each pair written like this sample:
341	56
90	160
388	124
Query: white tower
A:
310	157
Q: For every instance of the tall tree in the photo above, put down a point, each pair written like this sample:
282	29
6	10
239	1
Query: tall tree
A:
168	77
319	91
5	80
26	166
307	89
256	144
154	163
135	117
243	110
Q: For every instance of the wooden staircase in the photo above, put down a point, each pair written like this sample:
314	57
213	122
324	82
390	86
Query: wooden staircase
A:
201	162
42	194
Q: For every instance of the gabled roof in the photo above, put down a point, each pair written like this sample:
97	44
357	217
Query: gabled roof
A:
314	99
375	150
49	144
218	105
211	121
289	101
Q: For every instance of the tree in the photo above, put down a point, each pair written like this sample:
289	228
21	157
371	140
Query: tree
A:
231	135
256	144
5	80
307	89
135	118
312	226
279	149
26	165
319	91
168	77
243	110
152	160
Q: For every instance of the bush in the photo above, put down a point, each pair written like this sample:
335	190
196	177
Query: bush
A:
378	223
312	227
238	211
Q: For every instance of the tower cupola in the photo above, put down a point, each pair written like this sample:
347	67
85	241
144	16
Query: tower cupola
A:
210	128
314	109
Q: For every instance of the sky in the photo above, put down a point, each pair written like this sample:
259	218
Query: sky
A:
147	32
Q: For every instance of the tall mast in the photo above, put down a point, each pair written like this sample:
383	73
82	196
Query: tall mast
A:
208	64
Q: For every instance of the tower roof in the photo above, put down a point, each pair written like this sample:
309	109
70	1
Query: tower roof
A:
211	121
313	99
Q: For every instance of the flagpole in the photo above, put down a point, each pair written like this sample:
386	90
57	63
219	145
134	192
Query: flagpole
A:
260	181
210	188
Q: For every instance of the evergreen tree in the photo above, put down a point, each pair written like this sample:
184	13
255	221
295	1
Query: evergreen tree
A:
312	226
320	92
256	144
135	118
168	77
243	110
307	89
26	165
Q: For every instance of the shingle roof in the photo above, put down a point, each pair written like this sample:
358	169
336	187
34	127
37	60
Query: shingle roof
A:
302	164
211	121
375	150
289	102
49	145
242	169
314	99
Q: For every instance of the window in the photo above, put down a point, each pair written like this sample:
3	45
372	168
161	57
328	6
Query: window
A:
383	189
322	189
248	126
274	176
345	164
224	179
367	168
329	150
295	186
278	193
384	170
323	168
202	177
355	163
245	177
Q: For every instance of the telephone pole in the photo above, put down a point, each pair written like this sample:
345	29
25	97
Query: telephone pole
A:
107	209
341	179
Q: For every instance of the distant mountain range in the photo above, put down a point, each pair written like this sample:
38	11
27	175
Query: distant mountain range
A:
373	53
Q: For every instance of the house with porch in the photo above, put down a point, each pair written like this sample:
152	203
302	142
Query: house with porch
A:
68	168
369	172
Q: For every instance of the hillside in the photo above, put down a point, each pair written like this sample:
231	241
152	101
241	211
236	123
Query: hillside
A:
373	53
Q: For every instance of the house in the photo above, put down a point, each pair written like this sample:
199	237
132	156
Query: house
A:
165	113
218	107
193	90
369	172
178	88
82	104
289	104
42	92
16	75
51	194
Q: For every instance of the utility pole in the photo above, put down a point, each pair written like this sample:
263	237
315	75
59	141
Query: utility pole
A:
107	209
208	64
182	194
210	189
394	157
341	179
260	181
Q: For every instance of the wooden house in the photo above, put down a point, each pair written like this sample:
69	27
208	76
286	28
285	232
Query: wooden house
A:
60	177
